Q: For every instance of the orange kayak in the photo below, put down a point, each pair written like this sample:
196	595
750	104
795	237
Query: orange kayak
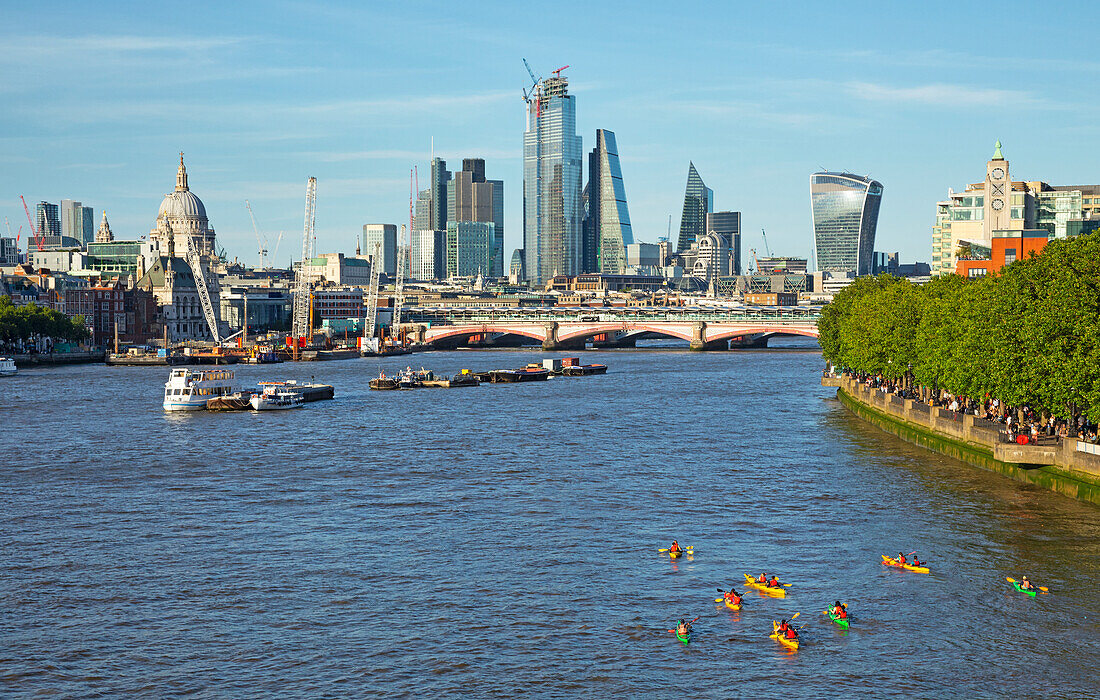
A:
887	561
766	590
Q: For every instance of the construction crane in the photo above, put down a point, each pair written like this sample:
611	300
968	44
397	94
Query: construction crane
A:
300	327
194	260
766	247
755	267
557	73
275	253
371	321
38	242
529	93
256	230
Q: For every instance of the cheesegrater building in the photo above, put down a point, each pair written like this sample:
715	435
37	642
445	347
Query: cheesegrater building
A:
845	215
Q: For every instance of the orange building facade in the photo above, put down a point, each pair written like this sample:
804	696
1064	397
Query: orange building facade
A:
1003	251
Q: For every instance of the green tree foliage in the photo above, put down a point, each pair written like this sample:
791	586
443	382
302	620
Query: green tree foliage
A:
32	320
1030	335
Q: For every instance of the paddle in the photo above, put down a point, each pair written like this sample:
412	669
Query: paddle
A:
673	631
1044	589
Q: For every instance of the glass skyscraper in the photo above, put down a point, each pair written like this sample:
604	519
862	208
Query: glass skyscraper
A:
845	214
552	211
698	202
607	229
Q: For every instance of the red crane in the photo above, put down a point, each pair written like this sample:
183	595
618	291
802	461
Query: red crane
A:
34	229
557	72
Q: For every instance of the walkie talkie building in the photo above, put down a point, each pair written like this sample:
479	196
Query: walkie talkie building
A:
845	214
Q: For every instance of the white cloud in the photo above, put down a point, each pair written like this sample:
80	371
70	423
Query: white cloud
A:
940	94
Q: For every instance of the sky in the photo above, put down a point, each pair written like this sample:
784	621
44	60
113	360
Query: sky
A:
96	101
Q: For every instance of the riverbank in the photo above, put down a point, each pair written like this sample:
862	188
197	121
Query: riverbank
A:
1071	468
58	358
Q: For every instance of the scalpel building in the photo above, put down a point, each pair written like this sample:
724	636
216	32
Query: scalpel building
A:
845	215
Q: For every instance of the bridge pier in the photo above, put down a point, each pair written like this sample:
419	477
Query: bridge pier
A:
698	338
551	342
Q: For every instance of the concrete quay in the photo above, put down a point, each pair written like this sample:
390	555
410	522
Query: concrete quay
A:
1071	468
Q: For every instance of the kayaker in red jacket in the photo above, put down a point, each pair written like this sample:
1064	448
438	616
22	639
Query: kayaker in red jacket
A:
774	583
901	558
733	597
675	547
783	627
790	633
840	611
763	578
918	562
1027	585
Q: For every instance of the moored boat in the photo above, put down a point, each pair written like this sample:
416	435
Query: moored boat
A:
275	396
531	373
7	367
384	383
189	390
239	401
583	370
766	590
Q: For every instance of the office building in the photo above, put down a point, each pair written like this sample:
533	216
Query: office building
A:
778	265
516	273
422	218
698	202
727	225
441	178
385	236
77	221
47	220
607	229
845	216
473	198
9	252
643	255
552	211
470	247
967	222
428	255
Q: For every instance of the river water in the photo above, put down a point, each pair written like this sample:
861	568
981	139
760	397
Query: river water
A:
502	540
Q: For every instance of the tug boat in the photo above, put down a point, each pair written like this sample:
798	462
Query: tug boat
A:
275	396
190	389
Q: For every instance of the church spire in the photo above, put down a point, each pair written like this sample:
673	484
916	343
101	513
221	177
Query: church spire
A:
104	234
181	176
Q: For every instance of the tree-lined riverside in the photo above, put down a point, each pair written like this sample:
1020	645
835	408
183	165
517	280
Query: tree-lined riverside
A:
1027	336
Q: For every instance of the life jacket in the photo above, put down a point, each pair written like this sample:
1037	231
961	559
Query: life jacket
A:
791	634
773	583
901	559
674	548
842	613
763	579
736	600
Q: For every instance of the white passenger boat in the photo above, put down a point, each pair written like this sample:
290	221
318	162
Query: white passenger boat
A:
7	367
189	389
276	396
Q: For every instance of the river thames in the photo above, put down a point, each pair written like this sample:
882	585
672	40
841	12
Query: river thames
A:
502	540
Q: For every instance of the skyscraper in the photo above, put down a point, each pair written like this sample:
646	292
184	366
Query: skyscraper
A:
727	224
469	247
440	179
607	229
428	255
845	215
698	202
552	212
473	198
386	236
47	220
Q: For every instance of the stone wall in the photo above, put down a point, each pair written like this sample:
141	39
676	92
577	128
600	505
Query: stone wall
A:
1063	468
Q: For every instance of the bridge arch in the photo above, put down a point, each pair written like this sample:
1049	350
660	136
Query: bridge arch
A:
770	330
432	335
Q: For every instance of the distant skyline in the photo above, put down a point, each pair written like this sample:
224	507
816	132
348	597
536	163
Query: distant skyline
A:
98	101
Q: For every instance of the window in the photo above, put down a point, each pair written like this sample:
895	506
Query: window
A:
1010	255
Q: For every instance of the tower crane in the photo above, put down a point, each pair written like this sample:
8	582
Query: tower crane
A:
256	230
38	242
194	260
766	247
275	253
371	321
300	326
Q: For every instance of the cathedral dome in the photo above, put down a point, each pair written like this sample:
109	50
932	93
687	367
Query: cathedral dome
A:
182	205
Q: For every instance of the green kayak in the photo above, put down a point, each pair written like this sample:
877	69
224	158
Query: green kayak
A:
1024	590
685	638
842	624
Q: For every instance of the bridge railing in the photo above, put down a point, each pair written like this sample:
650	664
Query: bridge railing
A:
461	316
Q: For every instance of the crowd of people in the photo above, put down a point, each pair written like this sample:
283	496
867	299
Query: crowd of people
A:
1020	423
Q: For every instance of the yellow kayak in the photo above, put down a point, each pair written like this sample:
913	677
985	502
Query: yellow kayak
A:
789	643
732	606
887	561
676	555
773	592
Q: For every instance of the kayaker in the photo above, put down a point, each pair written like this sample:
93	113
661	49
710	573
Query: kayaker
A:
783	627
733	597
901	559
774	583
790	633
675	547
1027	585
682	628
763	578
840	611
918	562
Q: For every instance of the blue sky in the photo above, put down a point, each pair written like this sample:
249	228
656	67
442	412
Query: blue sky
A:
96	101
